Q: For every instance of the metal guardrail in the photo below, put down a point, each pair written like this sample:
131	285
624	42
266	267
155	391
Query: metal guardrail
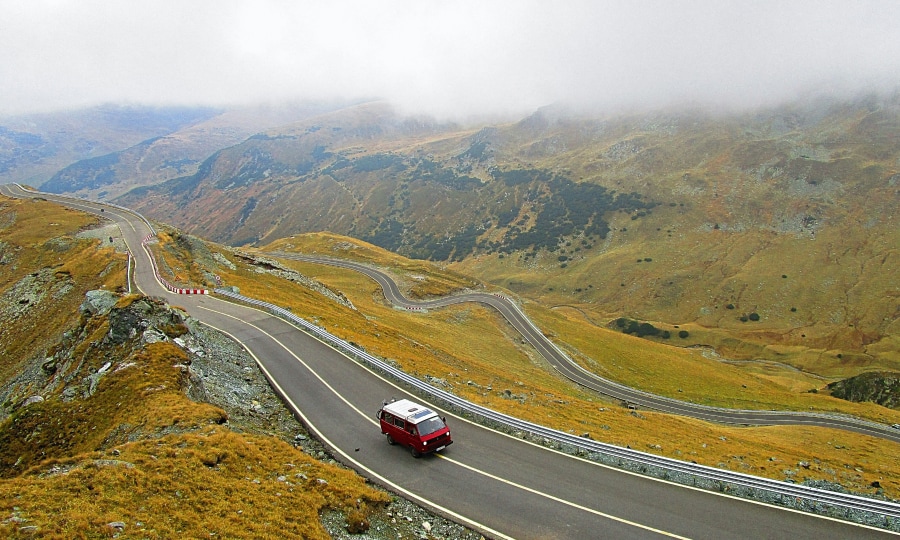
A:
869	511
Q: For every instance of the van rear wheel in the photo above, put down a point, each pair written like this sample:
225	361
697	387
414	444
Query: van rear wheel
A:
390	439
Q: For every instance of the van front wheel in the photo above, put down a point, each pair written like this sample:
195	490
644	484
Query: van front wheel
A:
390	439
415	453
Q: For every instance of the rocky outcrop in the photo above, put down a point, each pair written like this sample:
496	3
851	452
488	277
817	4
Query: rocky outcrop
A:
882	388
72	369
99	302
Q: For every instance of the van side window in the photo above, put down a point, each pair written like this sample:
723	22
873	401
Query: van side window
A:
391	419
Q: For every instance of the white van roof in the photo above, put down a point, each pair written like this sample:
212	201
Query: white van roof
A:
412	412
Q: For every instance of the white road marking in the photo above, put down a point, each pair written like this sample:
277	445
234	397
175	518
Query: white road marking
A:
356	464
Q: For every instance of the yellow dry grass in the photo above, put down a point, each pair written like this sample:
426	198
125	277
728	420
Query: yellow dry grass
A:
176	264
692	374
421	279
817	297
169	470
213	483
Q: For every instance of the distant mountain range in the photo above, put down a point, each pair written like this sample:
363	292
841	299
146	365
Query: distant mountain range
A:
35	147
106	150
780	223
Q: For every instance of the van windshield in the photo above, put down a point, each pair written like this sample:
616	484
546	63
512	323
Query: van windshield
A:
427	427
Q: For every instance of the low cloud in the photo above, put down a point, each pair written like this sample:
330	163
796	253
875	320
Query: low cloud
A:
448	59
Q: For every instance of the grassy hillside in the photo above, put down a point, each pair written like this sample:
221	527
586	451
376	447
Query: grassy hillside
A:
790	216
135	450
271	170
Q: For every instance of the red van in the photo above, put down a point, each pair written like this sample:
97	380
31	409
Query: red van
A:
414	426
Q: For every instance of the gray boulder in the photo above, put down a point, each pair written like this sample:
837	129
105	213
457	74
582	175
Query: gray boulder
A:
99	302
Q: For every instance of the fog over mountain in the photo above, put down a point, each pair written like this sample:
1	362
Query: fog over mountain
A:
446	59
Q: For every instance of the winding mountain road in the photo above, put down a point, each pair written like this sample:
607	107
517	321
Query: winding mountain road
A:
500	485
569	369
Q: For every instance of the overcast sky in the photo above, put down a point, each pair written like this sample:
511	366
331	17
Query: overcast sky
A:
446	58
